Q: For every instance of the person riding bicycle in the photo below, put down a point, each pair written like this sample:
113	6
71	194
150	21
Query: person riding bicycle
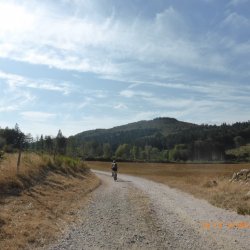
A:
114	168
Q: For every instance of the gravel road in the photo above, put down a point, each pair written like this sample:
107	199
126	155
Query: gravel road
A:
134	213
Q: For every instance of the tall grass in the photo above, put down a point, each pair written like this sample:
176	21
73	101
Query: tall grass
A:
38	202
34	168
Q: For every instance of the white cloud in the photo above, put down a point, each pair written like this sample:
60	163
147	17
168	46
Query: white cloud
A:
127	93
55	40
15	81
120	106
242	49
235	20
206	103
85	103
14	99
238	2
14	18
89	44
175	103
131	93
4	108
170	22
217	90
96	93
35	116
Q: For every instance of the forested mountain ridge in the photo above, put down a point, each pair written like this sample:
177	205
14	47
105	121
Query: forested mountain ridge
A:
136	131
164	139
161	139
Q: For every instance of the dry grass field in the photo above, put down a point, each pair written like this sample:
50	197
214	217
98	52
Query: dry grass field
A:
36	204
206	181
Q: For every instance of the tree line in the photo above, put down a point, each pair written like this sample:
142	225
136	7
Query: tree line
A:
13	140
198	144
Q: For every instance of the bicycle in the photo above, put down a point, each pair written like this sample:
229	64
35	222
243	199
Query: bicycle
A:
114	175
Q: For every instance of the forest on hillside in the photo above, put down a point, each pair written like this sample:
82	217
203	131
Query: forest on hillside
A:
148	141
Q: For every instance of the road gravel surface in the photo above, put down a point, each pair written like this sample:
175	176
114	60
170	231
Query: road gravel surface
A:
135	213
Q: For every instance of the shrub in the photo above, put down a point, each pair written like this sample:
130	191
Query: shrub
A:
9	149
210	183
1	154
243	210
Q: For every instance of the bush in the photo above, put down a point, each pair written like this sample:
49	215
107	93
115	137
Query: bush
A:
241	153
210	184
67	165
9	149
2	142
1	154
58	161
243	211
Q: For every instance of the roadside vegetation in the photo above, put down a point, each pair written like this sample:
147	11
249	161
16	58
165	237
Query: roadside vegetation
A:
40	191
205	181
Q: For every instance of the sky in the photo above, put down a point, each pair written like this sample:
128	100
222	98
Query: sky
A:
77	65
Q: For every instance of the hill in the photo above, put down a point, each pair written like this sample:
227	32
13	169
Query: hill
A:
135	133
163	139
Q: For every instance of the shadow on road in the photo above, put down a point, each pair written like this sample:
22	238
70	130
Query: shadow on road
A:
122	181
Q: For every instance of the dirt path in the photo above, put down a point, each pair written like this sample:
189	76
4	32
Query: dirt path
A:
134	213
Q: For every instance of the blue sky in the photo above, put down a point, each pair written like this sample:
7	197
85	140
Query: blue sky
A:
78	65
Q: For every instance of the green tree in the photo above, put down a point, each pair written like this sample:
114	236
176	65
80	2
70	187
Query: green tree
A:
155	154
107	153
2	142
61	143
135	153
48	144
41	143
123	152
142	154
72	147
148	151
239	141
165	155
87	149
179	153
19	143
11	139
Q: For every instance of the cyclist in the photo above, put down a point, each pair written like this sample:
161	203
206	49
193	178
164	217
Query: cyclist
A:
114	168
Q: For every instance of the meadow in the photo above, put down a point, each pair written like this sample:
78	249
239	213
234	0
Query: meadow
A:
205	181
